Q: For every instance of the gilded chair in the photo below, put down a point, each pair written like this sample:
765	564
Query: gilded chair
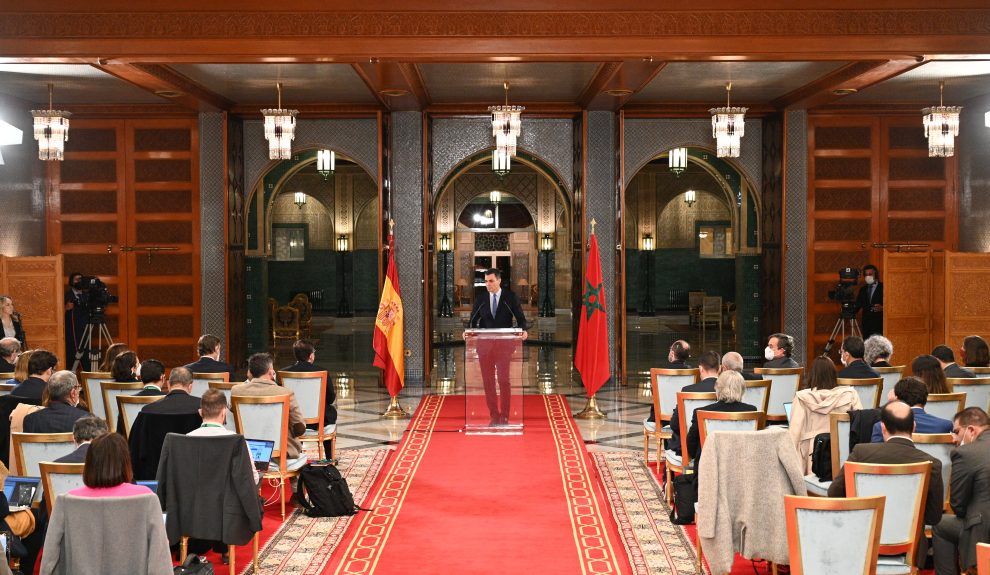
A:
939	446
687	403
267	417
839	431
977	390
225	387
110	390
285	326
979	371
784	383
906	488
664	385
945	405
201	382
6	388
6	375
463	292
827	536
311	393
696	300
59	478
711	314
91	381
757	394
301	302
33	448
890	375
129	406
868	390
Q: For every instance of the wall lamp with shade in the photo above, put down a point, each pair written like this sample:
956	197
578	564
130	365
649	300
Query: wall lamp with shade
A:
648	245
444	243
690	197
646	307
299	199
546	243
342	243
677	160
326	163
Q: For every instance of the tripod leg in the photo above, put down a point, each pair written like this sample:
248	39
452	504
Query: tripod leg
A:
82	346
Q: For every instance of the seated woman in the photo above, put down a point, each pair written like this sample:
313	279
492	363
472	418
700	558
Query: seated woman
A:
729	389
975	352
124	369
21	368
112	352
879	350
820	395
929	370
89	524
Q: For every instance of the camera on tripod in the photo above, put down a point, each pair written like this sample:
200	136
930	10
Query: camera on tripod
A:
844	292
98	297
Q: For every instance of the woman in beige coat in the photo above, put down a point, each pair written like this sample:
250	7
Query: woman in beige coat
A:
820	395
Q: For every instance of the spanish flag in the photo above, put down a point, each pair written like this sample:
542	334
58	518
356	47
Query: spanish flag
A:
388	328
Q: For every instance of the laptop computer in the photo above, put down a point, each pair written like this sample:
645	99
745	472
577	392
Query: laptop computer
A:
261	452
21	491
787	411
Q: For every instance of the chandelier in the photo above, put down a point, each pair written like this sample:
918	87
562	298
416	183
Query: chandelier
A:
677	160
280	129
728	127
506	127
941	127
326	163
51	129
501	162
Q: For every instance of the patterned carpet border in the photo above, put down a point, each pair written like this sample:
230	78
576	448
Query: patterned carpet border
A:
303	545
654	544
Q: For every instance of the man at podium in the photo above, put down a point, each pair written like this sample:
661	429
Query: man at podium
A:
495	308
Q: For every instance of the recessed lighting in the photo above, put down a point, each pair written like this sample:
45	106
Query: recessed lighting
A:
844	91
168	93
393	92
618	92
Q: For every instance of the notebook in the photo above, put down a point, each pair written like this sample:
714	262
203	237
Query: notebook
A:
152	485
787	411
21	491
261	452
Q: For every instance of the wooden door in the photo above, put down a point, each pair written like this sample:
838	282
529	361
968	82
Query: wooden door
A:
35	285
908	303
967	308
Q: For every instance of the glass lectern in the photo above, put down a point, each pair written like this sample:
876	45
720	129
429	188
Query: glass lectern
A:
493	381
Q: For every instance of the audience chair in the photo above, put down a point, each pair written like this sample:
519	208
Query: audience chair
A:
696	301
311	393
945	405
664	385
267	418
33	448
983	558
868	390
201	382
687	403
939	446
6	375
977	390
784	383
231	553
890	375
110	390
711	313
979	371
906	488
827	536
91	381
839	425
225	387
6	388
129	406
757	393
59	478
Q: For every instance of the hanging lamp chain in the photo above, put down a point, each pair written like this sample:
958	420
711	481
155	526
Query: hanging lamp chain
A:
51	89
728	94
278	87
941	89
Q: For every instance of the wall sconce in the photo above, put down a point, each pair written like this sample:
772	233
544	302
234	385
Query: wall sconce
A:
326	163
495	196
546	243
690	197
342	243
648	245
444	242
299	199
677	160
501	162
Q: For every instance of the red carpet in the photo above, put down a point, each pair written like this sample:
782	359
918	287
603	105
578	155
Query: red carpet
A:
451	503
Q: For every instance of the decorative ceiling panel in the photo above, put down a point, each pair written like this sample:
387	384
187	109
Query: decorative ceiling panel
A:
74	84
529	82
301	83
963	80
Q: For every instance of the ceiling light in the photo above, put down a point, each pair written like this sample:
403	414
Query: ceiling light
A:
728	127
495	196
677	160
844	91
326	163
168	93
619	92
393	92
941	127
501	162
51	129
690	197
299	199
280	129
506	125
9	136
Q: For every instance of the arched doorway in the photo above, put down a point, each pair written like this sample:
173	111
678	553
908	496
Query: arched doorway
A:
692	241
518	223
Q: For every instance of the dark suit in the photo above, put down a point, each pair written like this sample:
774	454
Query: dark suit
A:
751	376
209	365
782	363
329	411
881	363
6	366
57	418
706	385
969	498
495	355
149	390
174	413
77	456
923	423
897	450
857	369
953	370
175	403
670	365
872	320
30	388
694	433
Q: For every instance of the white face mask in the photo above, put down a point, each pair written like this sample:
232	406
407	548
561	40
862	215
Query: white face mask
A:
768	353
842	358
869	280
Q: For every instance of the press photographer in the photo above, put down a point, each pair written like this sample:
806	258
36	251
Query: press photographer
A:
85	312
844	294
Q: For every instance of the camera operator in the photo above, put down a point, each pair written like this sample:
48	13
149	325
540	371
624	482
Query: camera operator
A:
870	300
76	318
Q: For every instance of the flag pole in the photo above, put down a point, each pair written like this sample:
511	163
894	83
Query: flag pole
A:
394	410
591	410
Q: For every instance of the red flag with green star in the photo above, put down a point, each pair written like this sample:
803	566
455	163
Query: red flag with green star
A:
591	358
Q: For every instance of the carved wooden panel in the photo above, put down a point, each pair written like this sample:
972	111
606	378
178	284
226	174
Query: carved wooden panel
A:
967	276
908	303
35	285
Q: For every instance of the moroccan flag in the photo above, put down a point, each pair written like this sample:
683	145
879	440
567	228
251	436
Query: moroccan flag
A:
591	359
388	328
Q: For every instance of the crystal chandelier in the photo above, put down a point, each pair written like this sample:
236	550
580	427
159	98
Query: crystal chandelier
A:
941	127
506	127
51	129
280	129
677	160
728	127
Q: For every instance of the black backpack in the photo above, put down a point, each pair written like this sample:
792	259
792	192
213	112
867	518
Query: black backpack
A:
685	488
821	457
323	491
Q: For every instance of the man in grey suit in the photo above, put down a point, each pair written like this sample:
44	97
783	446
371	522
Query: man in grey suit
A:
947	359
956	536
84	431
778	352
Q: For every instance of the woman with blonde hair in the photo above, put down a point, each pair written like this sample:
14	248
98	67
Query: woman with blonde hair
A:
10	320
21	368
112	352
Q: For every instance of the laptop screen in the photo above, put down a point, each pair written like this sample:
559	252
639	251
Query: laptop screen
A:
787	411
21	491
152	485
261	452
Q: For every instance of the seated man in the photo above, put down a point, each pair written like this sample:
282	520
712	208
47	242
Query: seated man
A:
84	431
262	384
153	377
947	360
851	356
778	352
897	419
209	358
177	412
677	358
10	348
41	365
61	413
708	364
733	361
913	392
305	356
213	409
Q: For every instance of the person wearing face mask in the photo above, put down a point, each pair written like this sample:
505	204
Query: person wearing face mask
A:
677	358
870	300
851	356
778	352
62	411
76	318
956	536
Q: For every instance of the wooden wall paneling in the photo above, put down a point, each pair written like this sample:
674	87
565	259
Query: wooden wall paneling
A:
36	285
908	296
938	298
967	309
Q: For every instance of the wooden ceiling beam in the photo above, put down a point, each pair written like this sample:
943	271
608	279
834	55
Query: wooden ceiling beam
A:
627	80
855	76
396	86
167	83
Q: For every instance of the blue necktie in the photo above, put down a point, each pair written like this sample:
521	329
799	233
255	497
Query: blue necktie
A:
494	304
